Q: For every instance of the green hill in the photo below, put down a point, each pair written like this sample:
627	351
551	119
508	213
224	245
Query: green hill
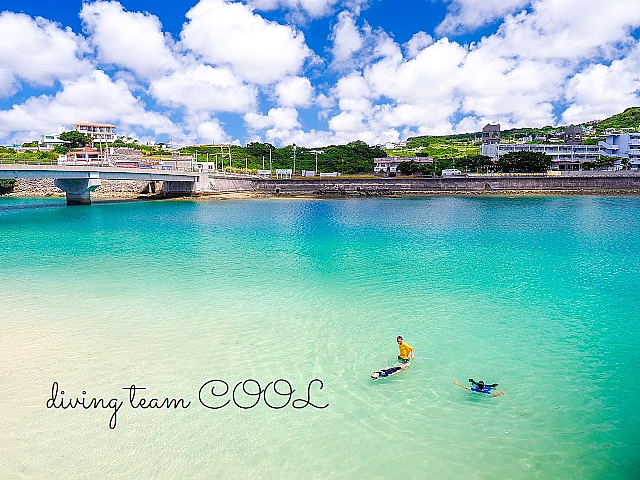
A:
630	118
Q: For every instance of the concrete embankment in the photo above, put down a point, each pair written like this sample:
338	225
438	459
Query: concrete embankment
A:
242	187
619	183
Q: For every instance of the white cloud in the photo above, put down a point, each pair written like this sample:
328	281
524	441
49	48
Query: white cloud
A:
517	91
92	97
211	131
430	79
204	88
567	30
417	43
8	83
310	8
38	51
131	40
464	15
600	91
280	118
294	92
348	122
313	8
346	37
257	50
579	54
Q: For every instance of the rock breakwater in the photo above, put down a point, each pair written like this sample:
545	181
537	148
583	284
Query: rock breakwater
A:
108	189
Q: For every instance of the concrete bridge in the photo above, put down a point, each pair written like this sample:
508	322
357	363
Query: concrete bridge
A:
79	181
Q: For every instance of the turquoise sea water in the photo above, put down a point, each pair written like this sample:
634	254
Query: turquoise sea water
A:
539	294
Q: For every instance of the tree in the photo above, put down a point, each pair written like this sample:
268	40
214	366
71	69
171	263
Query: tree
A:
410	168
75	139
259	150
61	149
525	161
603	162
474	162
6	186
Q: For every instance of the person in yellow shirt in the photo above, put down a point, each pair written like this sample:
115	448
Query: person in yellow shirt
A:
405	350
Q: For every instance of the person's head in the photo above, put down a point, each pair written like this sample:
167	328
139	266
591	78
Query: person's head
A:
480	384
375	375
399	339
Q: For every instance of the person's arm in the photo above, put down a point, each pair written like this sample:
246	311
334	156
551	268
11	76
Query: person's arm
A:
457	383
497	394
413	356
492	386
471	380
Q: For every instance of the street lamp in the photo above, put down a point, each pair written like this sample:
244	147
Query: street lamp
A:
317	152
294	159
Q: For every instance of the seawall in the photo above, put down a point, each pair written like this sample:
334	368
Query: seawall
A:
618	183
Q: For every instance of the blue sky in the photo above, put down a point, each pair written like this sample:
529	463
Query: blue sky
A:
313	72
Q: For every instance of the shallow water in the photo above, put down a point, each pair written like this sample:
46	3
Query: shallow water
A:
538	294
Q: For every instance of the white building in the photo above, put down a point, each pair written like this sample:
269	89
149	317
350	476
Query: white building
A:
623	145
49	140
390	164
564	157
100	132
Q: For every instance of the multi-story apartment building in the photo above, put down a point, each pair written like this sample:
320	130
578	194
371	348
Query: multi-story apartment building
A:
564	157
623	145
100	132
572	153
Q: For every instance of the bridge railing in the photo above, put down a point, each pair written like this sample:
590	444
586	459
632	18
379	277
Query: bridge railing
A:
27	161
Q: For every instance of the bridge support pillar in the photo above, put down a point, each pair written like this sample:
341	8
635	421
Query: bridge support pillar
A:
78	190
173	188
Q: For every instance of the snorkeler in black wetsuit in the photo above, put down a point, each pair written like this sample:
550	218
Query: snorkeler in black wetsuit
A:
387	372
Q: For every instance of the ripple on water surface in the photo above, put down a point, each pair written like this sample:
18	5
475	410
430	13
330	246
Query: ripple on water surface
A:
538	294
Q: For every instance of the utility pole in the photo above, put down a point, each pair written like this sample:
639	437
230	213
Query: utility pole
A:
317	152
294	158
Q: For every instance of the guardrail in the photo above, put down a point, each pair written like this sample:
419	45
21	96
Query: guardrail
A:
27	161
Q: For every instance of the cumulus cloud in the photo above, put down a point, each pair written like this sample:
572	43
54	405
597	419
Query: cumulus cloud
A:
346	37
38	51
211	130
520	92
600	91
131	40
279	118
466	15
544	55
294	92
92	97
417	43
308	8
313	8
567	30
257	50
206	88
516	74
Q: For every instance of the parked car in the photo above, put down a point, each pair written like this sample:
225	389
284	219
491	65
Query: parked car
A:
451	171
